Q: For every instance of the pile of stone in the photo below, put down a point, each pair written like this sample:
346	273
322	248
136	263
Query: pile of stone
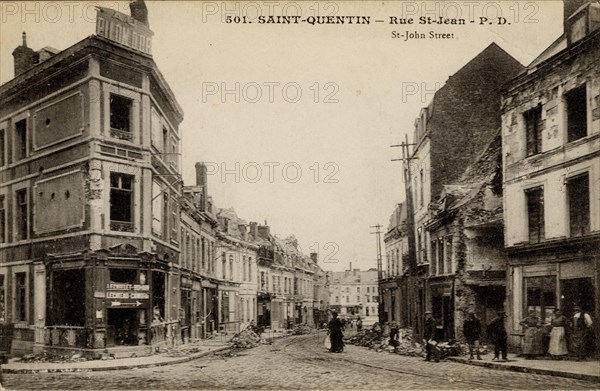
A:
246	339
302	329
54	358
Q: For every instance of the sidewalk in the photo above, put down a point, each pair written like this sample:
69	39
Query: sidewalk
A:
176	355
583	370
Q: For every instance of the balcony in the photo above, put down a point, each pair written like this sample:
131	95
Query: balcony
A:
121	134
121	226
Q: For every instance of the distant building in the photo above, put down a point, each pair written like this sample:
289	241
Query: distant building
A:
354	292
551	160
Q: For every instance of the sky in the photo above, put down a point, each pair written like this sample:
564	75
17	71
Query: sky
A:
295	121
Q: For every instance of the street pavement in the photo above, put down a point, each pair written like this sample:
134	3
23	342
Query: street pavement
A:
298	362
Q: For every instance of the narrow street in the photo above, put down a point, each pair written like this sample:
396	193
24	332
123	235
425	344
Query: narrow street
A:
299	362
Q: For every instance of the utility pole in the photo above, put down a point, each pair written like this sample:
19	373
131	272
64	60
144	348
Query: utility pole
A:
410	227
377	233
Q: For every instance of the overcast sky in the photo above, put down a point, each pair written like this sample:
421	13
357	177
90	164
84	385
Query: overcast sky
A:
356	85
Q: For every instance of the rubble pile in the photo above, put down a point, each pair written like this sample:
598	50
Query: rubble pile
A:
302	329
246	339
53	358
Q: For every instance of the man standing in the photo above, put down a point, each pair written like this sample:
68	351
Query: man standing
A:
581	340
472	332
429	338
498	335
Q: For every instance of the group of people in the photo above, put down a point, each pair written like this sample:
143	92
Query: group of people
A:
336	327
575	333
566	334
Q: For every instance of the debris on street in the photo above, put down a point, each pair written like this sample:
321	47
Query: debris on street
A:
52	358
246	339
302	329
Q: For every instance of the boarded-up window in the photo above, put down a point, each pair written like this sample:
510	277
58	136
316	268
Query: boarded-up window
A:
576	113
533	129
59	203
578	192
535	214
58	121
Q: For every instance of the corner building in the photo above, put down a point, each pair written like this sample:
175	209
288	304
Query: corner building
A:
89	189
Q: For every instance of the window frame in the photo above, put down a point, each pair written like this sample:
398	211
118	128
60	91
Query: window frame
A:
21	301
116	132
587	228
541	229
534	128
16	214
132	192
586	122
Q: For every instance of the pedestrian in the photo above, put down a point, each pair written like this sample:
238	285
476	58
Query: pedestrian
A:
359	324
532	341
429	338
498	336
394	335
336	334
558	340
472	333
581	336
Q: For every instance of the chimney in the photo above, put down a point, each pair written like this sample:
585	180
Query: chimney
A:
243	230
314	257
24	57
350	266
139	11
202	182
570	6
264	231
254	229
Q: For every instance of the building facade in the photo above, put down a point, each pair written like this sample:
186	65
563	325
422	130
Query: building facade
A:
355	293
551	160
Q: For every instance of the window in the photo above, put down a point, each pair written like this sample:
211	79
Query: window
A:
120	117
576	113
224	265
541	296
21	297
2	219
433	257
231	267
358	299
441	256
157	209
262	281
2	148
2	299
535	214
347	299
357	289
449	254
121	202
245	270
337	299
20	143
578	193
174	219
22	218
533	130
422	180
203	254
368	299
368	289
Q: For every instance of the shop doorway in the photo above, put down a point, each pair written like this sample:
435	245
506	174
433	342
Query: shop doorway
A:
122	327
577	291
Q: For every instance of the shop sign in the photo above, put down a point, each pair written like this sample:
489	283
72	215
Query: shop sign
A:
127	287
127	295
126	304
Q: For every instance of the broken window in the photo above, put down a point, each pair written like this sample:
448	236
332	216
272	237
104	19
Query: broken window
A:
2	219
22	218
533	129
120	117
578	193
2	148
121	202
576	113
157	209
449	254
20	143
441	255
535	214
21	297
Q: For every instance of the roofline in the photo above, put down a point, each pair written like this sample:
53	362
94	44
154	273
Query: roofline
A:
94	40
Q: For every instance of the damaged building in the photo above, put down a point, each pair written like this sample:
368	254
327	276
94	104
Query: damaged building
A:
466	242
88	134
551	157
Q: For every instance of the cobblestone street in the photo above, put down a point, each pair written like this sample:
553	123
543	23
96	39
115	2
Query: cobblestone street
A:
299	362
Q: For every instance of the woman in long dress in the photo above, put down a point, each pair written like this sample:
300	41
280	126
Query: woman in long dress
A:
336	334
532	342
558	340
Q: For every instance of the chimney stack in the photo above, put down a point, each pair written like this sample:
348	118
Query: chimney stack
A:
264	231
202	182
24	57
254	229
570	6
139	12
243	230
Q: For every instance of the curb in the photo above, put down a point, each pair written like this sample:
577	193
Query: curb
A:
517	368
118	367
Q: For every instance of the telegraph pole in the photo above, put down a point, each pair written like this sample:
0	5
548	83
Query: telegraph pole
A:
380	311
410	227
